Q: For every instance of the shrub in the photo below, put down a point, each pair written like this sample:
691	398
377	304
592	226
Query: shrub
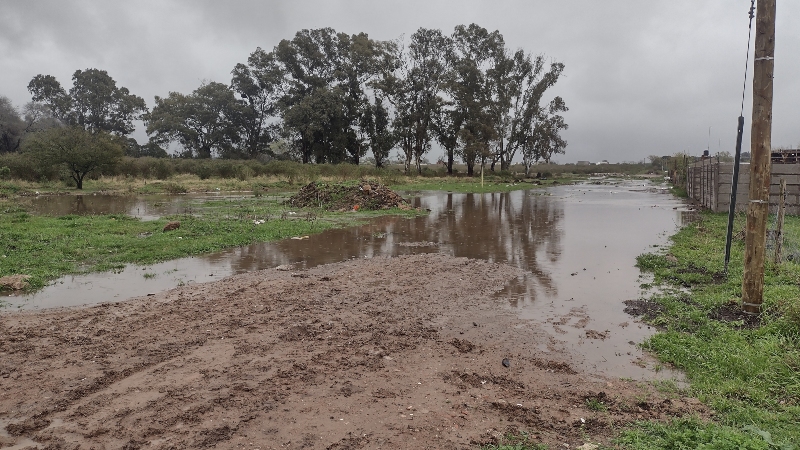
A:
175	188
161	168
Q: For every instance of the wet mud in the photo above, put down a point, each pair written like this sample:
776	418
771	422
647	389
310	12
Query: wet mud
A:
413	352
575	244
494	313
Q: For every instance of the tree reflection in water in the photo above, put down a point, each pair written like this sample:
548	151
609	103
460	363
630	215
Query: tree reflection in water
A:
520	228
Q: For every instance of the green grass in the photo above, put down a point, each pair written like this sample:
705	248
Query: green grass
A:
49	247
595	404
750	376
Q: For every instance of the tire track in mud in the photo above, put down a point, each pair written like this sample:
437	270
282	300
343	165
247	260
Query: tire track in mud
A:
366	353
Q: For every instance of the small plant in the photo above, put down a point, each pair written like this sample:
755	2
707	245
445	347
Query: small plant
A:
595	404
149	276
175	188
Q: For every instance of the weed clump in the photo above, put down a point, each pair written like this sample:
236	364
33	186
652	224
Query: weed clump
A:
367	195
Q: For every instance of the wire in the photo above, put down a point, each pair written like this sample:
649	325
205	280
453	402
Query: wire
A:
747	59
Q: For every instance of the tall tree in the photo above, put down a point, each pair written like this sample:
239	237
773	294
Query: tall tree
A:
94	102
80	151
476	51
528	117
331	71
446	127
414	89
376	122
259	84
203	122
543	139
12	127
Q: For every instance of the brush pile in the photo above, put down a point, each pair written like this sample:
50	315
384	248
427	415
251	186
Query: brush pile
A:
368	195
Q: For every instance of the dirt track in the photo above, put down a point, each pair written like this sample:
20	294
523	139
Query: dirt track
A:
373	353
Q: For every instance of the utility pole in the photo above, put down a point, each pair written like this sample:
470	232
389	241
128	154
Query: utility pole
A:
761	149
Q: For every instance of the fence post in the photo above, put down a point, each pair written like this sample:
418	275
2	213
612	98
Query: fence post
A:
779	226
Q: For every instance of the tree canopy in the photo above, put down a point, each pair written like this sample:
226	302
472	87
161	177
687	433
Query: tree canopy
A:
94	102
330	97
79	151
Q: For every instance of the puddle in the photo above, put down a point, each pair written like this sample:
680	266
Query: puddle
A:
145	207
577	244
7	442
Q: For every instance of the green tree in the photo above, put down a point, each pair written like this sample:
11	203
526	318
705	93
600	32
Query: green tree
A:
543	139
413	87
469	84
259	84
376	122
94	102
12	127
324	91
151	149
518	97
204	123
80	151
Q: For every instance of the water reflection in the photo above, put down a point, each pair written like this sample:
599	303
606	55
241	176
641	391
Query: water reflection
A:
146	207
522	228
576	244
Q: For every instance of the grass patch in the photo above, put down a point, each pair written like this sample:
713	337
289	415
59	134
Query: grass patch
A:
747	369
48	247
693	434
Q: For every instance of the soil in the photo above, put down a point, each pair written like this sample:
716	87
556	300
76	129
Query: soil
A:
647	309
402	353
732	312
368	195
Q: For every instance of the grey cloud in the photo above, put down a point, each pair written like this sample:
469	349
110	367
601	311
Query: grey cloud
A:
641	77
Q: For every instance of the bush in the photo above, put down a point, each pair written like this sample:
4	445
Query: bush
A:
23	167
175	188
204	171
243	172
161	169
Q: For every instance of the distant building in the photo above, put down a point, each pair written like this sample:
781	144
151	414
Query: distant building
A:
584	163
602	162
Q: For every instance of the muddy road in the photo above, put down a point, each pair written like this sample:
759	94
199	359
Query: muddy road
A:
406	352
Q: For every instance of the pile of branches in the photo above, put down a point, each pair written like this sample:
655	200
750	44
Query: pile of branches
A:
368	195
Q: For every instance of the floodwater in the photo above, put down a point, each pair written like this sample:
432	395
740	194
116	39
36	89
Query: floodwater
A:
577	244
145	207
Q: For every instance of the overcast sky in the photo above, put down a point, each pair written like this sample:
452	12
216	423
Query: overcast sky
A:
641	78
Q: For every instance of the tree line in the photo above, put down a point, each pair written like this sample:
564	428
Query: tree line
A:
323	97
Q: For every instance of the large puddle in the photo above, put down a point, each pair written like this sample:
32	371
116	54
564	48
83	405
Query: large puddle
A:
577	244
145	207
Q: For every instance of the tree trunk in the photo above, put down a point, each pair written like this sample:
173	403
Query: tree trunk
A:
78	177
450	161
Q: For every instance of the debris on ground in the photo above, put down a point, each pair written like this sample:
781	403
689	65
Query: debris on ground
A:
368	195
14	282
172	226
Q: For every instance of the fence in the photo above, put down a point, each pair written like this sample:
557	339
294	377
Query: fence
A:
709	183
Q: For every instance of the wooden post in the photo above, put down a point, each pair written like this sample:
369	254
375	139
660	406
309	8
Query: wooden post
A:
779	226
760	148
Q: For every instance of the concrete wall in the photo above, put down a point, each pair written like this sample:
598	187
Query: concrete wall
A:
709	183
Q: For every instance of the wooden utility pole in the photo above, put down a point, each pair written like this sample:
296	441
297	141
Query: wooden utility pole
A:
761	149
